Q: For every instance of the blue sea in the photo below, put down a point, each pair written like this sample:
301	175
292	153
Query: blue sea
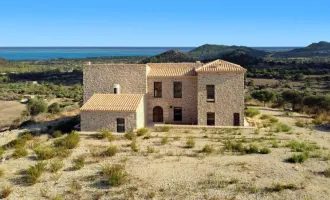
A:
46	53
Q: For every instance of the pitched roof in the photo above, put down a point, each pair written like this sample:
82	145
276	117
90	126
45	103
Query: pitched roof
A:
113	102
172	69
220	66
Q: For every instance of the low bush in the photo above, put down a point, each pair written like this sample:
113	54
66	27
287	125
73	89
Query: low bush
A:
233	146
252	148
16	143
75	186
251	112
20	152
134	146
327	173
302	146
208	149
111	151
44	153
71	141
27	136
277	187
298	158
280	127
150	149
129	135
56	165
162	128
54	108
33	173
79	162
5	192
113	175
105	133
265	116
142	131
2	151
190	142
265	150
57	134
62	152
164	140
2	173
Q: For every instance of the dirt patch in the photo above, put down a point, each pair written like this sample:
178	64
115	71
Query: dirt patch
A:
9	111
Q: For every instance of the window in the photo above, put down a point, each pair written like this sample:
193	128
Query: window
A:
178	114
120	125
158	89
177	89
210	93
210	119
115	90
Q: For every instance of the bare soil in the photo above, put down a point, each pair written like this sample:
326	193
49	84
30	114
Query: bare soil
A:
174	171
9	111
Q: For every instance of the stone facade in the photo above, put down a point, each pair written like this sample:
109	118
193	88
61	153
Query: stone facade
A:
227	78
96	120
188	102
99	78
229	97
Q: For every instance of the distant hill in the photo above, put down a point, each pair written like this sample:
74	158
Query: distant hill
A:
320	49
211	52
170	56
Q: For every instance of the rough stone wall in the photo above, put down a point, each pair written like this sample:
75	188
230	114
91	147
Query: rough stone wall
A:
188	102
96	120
99	78
229	97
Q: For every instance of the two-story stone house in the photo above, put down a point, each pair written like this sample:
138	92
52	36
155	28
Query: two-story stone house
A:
123	97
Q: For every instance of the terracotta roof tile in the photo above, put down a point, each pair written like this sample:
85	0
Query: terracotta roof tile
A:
113	102
172	69
220	66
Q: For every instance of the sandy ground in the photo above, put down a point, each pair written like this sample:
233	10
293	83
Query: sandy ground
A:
9	111
176	172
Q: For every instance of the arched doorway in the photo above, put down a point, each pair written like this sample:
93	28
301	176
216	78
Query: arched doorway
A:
157	114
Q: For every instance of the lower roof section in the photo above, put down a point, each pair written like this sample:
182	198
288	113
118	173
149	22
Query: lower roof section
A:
113	102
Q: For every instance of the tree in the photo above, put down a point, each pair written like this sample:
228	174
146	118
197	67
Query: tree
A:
294	97
264	96
36	106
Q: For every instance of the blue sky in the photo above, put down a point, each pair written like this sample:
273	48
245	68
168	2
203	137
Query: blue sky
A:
163	23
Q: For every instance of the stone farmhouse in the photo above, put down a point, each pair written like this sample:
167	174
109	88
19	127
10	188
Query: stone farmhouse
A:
123	97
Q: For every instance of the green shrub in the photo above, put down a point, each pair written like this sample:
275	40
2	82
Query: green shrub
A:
56	165
265	116
2	173
273	120
129	135
251	112
27	136
5	192
36	106
277	187
275	144
327	173
150	149
301	146
79	162
208	149
69	142
265	150
252	149
164	140
162	128
142	131
298	158
111	151
134	146
105	133
33	173
2	151
16	143
317	121
190	142
114	175
282	128
300	123
54	108
57	134
44	153
233	146
62	152
20	152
